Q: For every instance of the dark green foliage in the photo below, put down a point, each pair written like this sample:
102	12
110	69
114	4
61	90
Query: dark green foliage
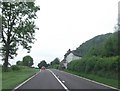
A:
18	28
55	63
107	66
111	45
103	45
91	45
42	63
27	61
19	63
15	67
56	66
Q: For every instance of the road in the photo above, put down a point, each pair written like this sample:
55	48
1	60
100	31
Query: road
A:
55	79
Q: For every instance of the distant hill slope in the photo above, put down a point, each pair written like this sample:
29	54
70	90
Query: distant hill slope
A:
101	45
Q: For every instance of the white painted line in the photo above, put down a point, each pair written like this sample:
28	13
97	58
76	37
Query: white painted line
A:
92	81
63	81
24	82
59	81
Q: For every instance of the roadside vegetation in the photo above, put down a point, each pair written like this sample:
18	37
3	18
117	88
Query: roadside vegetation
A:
0	77
16	75
55	63
103	70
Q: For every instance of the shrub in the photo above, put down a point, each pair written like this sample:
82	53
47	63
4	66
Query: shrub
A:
15	67
56	66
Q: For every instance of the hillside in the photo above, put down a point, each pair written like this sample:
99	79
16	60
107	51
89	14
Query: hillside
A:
101	45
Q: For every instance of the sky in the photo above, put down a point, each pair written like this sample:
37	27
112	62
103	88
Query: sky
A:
66	24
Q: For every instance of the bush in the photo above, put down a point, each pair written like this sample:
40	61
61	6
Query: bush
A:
106	66
15	67
56	66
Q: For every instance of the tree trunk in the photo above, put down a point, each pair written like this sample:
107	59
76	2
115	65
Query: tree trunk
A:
5	65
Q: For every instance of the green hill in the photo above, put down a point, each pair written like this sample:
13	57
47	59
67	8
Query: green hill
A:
101	45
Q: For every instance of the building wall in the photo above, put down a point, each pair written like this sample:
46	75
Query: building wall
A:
71	57
65	65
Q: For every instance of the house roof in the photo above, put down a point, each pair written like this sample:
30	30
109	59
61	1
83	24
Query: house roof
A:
68	52
74	53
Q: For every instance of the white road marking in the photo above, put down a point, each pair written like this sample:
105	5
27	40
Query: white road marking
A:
59	81
63	81
92	81
24	82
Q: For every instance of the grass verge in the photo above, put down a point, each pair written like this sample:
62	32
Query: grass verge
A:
13	78
107	81
0	77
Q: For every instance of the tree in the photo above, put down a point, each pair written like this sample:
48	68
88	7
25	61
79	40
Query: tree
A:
19	63
0	25
18	28
27	61
111	45
42	63
55	61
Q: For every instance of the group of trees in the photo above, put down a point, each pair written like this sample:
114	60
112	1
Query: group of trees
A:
43	63
18	28
27	61
53	64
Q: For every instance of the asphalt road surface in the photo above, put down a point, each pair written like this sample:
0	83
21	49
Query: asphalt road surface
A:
55	79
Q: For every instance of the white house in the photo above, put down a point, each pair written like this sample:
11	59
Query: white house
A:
70	56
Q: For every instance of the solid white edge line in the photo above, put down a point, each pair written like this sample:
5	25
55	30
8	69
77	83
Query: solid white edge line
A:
92	81
59	81
24	82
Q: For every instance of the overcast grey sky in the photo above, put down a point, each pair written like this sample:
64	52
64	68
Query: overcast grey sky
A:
65	24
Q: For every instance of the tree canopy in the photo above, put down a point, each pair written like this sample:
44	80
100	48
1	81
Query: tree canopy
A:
55	61
27	61
42	63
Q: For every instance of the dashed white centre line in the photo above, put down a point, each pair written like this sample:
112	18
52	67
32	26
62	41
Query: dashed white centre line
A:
59	81
63	81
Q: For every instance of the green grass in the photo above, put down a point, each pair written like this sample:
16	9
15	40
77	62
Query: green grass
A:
108	81
13	78
0	78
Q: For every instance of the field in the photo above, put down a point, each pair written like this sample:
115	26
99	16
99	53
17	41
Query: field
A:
0	77
13	78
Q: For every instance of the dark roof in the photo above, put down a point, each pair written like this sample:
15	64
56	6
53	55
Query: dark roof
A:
74	52
68	52
64	60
